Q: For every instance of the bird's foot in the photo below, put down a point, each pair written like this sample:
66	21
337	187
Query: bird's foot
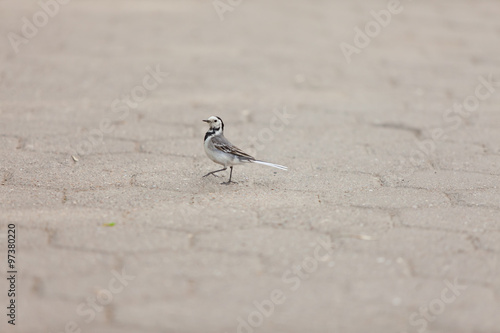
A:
213	174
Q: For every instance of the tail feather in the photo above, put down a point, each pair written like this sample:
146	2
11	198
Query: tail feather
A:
277	166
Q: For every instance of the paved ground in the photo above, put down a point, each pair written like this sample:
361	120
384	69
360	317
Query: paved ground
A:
377	227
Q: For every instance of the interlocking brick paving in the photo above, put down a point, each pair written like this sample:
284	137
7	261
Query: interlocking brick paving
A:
400	225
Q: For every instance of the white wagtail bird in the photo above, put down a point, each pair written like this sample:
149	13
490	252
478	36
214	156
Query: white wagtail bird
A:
222	152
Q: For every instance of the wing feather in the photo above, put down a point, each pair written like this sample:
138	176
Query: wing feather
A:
222	144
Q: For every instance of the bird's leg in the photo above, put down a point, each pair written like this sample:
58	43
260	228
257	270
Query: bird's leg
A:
214	172
230	176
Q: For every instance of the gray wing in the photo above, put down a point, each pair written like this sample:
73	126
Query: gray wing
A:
223	144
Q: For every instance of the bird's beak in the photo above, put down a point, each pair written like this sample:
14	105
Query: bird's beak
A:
207	121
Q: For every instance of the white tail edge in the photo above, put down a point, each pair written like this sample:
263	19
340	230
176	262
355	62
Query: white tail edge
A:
277	166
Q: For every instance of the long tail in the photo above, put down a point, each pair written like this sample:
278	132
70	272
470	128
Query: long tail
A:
277	166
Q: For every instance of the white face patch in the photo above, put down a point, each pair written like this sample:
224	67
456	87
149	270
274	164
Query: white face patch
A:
215	123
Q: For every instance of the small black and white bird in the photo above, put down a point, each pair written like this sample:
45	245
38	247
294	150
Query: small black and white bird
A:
222	152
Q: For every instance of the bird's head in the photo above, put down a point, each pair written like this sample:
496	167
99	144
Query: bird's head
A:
215	123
